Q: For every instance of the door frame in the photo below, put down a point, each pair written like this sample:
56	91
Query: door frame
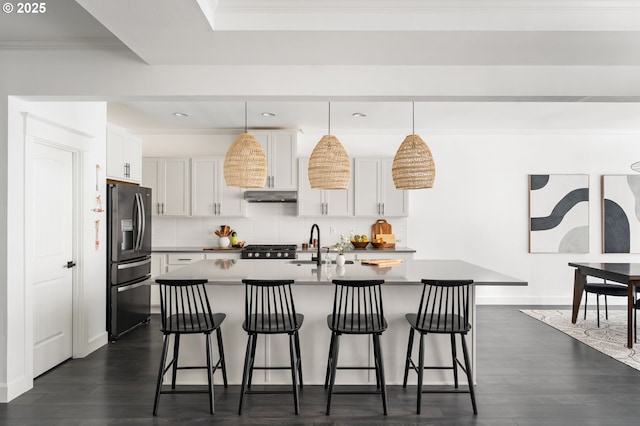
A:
45	132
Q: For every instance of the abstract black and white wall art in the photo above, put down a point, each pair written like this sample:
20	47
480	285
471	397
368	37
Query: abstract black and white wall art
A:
621	214
558	213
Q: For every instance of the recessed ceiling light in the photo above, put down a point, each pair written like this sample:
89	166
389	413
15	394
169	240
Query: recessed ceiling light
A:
269	114
359	114
180	114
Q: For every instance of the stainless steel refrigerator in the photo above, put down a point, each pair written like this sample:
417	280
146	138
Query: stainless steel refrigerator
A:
128	258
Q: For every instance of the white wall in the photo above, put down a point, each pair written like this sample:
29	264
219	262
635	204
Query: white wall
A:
89	293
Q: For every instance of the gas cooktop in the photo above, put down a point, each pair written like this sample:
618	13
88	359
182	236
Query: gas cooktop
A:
269	251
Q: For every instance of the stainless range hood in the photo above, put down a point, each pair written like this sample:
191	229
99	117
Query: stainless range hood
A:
271	196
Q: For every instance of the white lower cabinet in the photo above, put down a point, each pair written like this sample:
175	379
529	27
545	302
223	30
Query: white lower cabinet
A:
158	267
178	260
382	254
223	254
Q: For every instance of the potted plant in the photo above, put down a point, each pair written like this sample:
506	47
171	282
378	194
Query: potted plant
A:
342	246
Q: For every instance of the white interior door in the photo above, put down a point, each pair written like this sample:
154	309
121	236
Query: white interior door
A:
51	200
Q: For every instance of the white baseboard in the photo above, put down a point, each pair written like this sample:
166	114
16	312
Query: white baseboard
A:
9	391
92	345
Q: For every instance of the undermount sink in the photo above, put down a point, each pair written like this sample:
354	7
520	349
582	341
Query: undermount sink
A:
313	262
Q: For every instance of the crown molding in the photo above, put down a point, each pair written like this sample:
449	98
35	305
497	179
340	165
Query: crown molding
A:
67	43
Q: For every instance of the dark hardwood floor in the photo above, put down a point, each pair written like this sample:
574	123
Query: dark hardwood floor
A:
528	375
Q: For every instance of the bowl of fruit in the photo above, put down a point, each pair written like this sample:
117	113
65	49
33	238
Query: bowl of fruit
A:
360	241
378	243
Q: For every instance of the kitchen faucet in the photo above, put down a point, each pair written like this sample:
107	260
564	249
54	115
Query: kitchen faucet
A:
317	259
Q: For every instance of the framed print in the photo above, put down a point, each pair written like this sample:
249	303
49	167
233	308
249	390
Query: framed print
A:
621	214
558	213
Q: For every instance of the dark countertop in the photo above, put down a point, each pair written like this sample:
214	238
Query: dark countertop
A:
368	249
410	272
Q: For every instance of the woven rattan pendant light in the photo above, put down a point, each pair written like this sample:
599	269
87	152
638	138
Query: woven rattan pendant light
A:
413	166
245	165
329	165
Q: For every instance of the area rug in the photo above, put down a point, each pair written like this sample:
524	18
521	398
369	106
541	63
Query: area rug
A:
610	338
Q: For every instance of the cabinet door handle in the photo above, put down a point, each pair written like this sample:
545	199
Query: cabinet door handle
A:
382	208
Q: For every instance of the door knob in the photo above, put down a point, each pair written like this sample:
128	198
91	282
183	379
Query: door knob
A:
71	264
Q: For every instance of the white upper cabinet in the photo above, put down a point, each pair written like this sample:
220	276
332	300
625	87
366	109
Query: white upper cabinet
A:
209	194
124	155
169	179
280	149
321	202
375	192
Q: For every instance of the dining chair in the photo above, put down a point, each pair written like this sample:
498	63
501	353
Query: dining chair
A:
185	309
605	289
270	309
444	308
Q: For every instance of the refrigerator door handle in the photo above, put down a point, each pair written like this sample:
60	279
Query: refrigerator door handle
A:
143	216
138	244
131	286
134	264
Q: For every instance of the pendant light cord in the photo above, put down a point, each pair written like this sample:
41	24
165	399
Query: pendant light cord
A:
329	130
245	116
413	118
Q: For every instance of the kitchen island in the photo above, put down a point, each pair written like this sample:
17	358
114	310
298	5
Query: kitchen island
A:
313	293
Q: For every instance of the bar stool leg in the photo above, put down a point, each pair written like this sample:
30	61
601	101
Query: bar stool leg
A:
408	361
294	372
209	371
176	350
467	367
454	355
380	370
223	363
299	363
163	360
253	358
598	308
247	366
420	371
329	360
334	364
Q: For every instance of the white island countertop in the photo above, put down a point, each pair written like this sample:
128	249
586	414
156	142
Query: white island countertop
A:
410	272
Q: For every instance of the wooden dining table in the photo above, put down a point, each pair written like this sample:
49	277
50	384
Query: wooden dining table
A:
623	273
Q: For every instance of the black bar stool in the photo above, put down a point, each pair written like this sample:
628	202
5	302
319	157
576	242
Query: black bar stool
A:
357	309
185	309
443	309
269	309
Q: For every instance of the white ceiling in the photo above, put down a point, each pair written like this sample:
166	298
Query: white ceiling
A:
355	32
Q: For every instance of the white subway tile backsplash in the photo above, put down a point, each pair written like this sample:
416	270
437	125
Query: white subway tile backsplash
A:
267	223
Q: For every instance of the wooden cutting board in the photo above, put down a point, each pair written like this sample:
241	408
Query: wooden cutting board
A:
382	262
381	227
